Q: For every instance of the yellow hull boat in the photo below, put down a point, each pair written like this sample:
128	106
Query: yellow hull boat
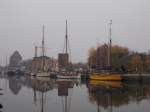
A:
106	77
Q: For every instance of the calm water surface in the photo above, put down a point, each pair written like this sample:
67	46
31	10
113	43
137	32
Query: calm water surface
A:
26	94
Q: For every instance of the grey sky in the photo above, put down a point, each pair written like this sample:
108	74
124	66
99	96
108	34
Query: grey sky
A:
21	25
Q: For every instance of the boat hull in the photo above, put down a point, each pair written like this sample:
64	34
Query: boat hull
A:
68	77
41	74
106	77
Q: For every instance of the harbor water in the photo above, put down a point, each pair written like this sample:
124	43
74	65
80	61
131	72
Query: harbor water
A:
29	94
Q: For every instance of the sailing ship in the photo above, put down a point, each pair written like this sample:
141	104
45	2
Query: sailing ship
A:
107	75
63	60
40	64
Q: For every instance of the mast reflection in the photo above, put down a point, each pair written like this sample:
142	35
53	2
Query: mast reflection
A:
103	92
65	91
41	85
108	94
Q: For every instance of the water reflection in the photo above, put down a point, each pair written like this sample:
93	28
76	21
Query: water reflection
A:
14	85
39	85
106	96
104	93
1	106
42	85
115	94
65	90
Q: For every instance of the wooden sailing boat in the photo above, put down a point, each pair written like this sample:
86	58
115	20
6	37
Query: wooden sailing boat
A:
107	75
41	63
64	61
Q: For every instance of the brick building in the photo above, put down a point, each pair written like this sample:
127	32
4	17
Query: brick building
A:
102	57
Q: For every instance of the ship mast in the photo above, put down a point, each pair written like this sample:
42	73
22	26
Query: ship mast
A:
66	38
6	63
43	43
109	46
36	48
43	48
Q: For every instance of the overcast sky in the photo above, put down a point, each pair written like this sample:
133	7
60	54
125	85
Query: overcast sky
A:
21	25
